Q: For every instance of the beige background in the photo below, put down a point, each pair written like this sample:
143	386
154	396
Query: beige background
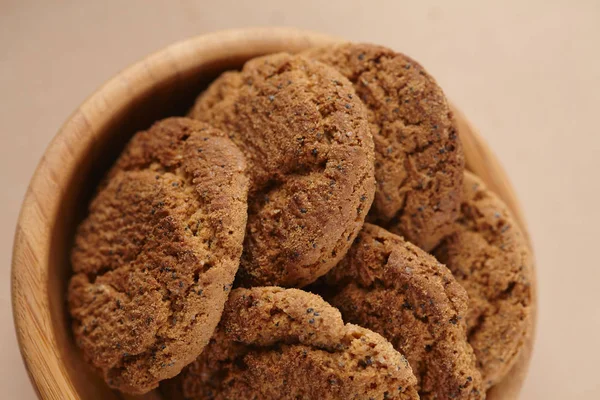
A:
526	72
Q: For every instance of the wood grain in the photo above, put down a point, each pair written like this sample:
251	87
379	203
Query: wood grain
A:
162	84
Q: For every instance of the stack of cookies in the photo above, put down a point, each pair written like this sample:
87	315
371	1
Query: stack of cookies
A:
308	231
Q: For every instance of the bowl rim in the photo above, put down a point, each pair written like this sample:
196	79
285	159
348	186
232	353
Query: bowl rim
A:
32	240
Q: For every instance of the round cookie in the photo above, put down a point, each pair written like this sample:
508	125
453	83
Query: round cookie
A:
419	158
307	141
155	258
394	288
275	343
489	257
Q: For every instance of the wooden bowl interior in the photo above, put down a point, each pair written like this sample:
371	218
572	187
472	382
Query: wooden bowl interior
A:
164	84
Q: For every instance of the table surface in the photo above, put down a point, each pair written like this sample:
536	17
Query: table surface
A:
526	73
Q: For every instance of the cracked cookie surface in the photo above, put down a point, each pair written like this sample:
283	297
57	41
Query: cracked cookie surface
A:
155	258
394	288
309	149
419	158
275	343
489	256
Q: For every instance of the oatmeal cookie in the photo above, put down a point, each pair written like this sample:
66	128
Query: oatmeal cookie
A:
394	288
418	157
155	258
306	138
489	257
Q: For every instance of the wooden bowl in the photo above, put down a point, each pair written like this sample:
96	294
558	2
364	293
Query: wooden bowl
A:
161	85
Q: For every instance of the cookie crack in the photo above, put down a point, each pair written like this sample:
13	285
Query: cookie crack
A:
163	291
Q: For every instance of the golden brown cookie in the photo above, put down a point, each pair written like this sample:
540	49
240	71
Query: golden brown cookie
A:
419	159
489	257
275	343
394	288
306	137
155	259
